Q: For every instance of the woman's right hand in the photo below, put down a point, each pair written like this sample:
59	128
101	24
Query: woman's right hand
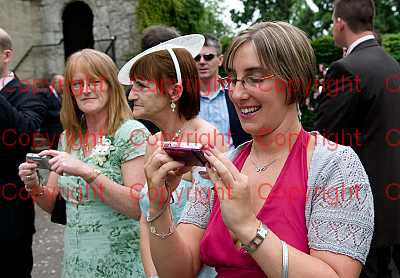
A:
162	174
27	173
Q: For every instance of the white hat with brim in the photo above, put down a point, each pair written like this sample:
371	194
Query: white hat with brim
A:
192	43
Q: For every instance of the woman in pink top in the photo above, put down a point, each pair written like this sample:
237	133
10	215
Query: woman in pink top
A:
284	204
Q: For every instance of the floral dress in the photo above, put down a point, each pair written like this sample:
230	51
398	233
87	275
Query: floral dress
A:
99	241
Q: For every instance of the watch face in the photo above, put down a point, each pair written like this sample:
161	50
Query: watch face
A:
262	231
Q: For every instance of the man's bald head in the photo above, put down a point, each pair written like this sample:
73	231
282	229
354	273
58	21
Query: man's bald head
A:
5	40
5	52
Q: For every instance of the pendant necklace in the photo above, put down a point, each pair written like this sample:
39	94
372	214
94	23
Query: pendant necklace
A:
262	168
179	132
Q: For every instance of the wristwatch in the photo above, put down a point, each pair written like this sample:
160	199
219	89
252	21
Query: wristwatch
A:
261	234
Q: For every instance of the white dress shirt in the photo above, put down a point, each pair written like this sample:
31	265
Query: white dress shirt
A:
357	42
5	80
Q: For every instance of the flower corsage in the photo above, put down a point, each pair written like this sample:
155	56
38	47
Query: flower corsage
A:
102	150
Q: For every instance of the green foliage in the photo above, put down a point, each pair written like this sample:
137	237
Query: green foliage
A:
315	24
268	9
307	118
188	16
387	16
391	43
325	50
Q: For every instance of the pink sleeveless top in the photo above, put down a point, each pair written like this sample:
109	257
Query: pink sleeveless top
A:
283	212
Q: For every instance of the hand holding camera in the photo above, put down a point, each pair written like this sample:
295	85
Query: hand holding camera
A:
28	171
189	153
41	161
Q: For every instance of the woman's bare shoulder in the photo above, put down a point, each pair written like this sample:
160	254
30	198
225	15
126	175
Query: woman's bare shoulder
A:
208	134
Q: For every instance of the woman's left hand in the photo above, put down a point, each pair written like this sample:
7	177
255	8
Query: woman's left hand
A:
233	191
64	164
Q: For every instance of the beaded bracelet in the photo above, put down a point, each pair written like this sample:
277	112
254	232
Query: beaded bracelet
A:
161	211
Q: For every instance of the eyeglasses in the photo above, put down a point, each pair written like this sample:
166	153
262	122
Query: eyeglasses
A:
206	57
95	85
249	82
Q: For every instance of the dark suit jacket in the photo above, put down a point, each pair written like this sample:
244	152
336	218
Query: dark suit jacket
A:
51	125
365	114
239	136
21	113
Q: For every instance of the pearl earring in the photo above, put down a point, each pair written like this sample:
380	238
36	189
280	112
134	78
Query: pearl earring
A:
173	106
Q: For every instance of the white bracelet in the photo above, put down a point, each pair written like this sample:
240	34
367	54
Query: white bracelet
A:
285	260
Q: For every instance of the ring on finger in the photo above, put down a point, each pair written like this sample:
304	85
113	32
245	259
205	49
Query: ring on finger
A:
160	163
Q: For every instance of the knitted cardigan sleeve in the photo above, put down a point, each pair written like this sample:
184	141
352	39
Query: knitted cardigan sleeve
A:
339	207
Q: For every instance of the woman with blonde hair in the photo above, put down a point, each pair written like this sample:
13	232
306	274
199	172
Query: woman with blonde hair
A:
98	169
286	204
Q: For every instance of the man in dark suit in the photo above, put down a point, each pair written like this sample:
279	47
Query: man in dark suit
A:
21	113
359	106
215	104
51	127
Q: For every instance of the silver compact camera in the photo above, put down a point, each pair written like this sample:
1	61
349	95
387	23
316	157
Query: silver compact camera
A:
41	161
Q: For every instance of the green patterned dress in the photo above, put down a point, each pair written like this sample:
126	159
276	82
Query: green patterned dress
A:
99	241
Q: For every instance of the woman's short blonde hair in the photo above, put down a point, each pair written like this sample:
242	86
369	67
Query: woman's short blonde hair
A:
284	50
96	65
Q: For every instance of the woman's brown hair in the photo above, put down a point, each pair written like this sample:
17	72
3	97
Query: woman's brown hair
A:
159	68
284	50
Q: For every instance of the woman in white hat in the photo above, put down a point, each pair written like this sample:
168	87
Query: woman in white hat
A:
165	90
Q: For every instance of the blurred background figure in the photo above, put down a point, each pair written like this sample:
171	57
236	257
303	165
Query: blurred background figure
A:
57	86
51	127
215	104
359	107
21	113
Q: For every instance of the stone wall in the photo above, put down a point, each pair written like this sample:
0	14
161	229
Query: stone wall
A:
21	20
32	22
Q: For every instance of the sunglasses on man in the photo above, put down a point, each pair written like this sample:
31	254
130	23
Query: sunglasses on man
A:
206	57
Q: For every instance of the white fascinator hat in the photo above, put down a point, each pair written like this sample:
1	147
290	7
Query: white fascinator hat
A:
192	43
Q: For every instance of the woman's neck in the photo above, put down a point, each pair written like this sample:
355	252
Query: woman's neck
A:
208	87
97	124
280	140
170	124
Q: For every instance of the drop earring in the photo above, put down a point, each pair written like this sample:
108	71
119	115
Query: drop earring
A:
298	111
173	106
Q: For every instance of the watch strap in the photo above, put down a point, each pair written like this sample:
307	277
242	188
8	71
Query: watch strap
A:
261	234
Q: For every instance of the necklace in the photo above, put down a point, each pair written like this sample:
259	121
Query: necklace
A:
179	132
263	167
